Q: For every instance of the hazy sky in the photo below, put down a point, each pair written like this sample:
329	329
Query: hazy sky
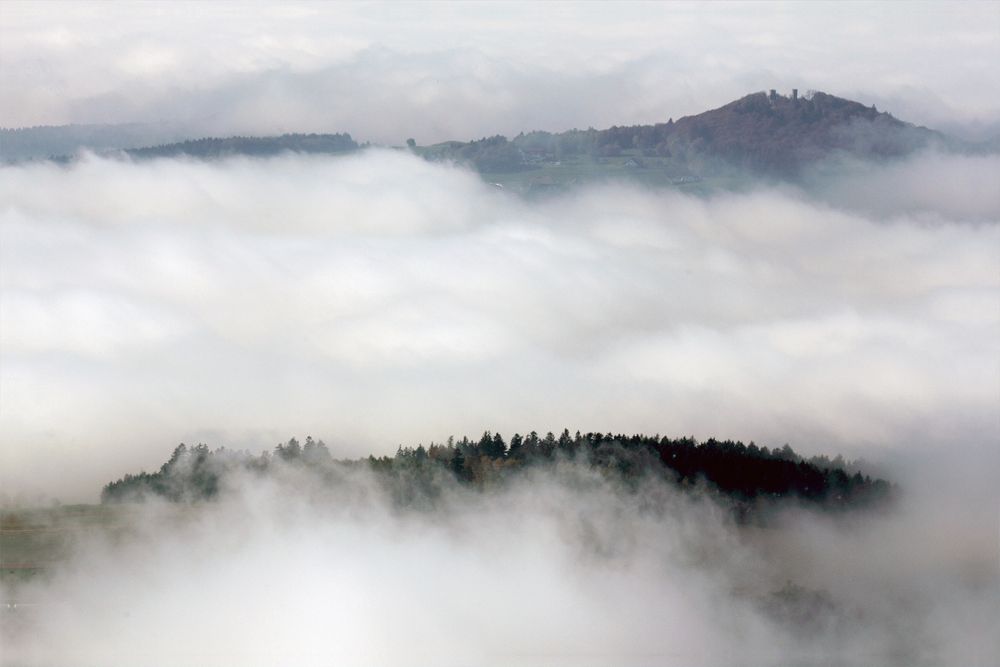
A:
433	71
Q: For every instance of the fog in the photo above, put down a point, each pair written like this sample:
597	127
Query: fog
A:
377	300
385	72
559	567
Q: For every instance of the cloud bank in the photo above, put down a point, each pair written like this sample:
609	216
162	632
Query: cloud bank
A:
376	299
559	567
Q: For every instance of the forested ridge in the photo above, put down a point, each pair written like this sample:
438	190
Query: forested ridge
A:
768	133
748	476
212	147
763	133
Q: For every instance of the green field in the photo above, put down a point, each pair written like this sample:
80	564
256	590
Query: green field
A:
552	176
35	541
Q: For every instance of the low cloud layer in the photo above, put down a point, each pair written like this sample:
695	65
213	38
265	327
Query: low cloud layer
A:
376	299
558	567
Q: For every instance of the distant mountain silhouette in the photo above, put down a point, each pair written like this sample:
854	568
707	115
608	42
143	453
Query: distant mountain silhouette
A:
782	134
759	135
765	134
54	141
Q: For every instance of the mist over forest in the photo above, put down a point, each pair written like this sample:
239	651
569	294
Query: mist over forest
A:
499	334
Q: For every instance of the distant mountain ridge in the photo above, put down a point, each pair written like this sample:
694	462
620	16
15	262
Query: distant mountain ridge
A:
255	146
764	133
777	133
49	141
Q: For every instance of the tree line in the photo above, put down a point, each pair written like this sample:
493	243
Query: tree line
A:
213	147
746	476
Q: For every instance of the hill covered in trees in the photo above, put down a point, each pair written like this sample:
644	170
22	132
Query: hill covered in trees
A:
760	135
765	133
747	477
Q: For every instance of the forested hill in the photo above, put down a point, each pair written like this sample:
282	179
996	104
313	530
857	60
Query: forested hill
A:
747	475
765	133
760	135
782	134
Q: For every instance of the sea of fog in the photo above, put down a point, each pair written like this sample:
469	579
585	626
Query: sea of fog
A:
378	300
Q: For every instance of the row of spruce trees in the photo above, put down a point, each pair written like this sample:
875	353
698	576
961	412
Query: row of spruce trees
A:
747	475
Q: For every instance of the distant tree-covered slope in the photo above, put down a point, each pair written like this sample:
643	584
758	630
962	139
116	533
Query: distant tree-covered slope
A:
251	146
782	134
746	475
55	141
763	132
